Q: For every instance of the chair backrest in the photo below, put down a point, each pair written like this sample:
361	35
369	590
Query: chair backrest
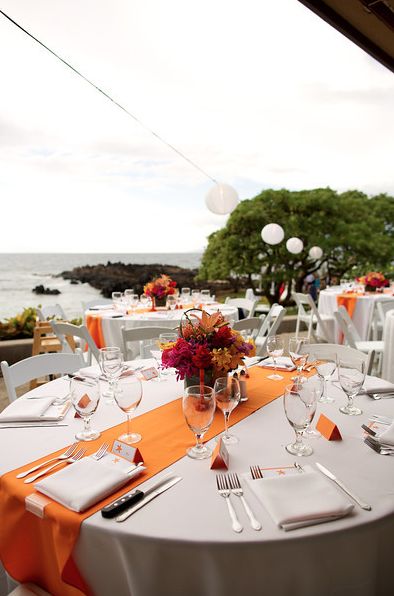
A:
38	366
309	314
250	295
96	302
383	308
246	305
251	325
139	334
322	351
347	327
49	311
269	327
67	330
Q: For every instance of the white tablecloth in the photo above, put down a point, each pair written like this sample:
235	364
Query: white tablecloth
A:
182	542
363	311
388	354
112	327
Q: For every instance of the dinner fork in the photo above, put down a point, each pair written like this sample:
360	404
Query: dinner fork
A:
255	472
101	451
224	491
71	460
378	448
64	455
236	489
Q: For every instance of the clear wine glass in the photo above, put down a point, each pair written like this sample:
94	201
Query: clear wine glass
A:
166	340
128	397
85	397
300	407
275	349
196	297
185	295
171	303
116	299
325	369
351	378
111	364
152	350
227	395
298	354
205	296
144	299
198	405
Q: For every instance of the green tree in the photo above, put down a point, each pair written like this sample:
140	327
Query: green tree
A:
354	231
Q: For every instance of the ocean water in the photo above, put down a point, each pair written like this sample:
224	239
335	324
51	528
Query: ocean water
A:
20	273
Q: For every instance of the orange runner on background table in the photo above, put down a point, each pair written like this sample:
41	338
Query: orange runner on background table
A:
349	301
93	323
40	550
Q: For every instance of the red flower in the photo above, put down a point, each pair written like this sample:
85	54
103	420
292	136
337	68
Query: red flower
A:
202	357
222	338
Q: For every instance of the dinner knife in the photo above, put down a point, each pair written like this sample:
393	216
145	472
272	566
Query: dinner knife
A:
351	494
30	425
149	495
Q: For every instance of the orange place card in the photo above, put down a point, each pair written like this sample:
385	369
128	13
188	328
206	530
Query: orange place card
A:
128	452
220	456
328	429
149	373
84	401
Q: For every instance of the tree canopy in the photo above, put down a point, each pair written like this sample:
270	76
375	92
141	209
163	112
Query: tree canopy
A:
355	232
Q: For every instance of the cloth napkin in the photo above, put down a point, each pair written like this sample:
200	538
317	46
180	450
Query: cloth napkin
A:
382	388
30	410
282	363
387	436
80	485
300	500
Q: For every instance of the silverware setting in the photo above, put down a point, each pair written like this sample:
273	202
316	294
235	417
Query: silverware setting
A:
224	491
338	482
237	490
381	448
68	453
377	396
71	460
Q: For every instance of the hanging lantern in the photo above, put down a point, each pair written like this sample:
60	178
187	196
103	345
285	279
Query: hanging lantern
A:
222	199
294	245
315	252
272	233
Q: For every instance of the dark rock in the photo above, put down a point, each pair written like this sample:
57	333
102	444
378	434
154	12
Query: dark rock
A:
40	289
74	282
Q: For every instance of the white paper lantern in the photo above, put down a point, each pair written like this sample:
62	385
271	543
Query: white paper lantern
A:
272	233
222	199
294	245
316	252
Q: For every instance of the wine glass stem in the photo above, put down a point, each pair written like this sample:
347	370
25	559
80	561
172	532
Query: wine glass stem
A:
350	400
86	424
198	441
274	359
226	419
324	387
298	437
128	426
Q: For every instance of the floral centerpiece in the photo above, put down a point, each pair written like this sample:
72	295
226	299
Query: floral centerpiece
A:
373	280
159	288
207	348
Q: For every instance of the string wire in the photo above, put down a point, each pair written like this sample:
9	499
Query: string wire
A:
116	103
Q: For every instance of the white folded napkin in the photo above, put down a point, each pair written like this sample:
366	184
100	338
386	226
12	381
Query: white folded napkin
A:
282	363
384	387
80	485
300	500
31	410
91	372
387	436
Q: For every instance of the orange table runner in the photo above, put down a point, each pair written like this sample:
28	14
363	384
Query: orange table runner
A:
349	301
40	550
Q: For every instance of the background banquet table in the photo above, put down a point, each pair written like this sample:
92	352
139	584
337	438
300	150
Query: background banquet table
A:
111	327
182	542
362	313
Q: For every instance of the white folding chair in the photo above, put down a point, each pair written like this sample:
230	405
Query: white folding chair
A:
270	326
322	351
381	306
251	325
62	330
38	366
352	336
248	306
50	311
320	326
138	334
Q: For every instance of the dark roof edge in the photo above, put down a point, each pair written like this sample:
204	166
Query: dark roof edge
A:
342	25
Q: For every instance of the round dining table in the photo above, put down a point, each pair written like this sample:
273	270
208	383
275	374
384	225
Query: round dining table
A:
182	542
105	324
361	313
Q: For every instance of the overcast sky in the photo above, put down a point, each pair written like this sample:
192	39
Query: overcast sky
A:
259	94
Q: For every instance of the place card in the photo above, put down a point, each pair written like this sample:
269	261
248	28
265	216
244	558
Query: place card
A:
220	456
132	454
149	373
328	429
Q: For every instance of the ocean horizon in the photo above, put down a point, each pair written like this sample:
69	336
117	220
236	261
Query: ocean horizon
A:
21	272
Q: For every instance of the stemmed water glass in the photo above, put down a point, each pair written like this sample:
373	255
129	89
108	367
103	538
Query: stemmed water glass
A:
298	354
144	299
205	296
198	405
85	396
128	396
185	295
325	370
167	340
351	378
196	297
132	301
315	383
171	303
227	395
275	348
300	407
111	364
117	300
152	350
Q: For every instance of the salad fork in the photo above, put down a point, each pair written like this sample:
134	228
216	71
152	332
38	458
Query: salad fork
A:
71	460
63	456
224	492
101	451
255	472
236	489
